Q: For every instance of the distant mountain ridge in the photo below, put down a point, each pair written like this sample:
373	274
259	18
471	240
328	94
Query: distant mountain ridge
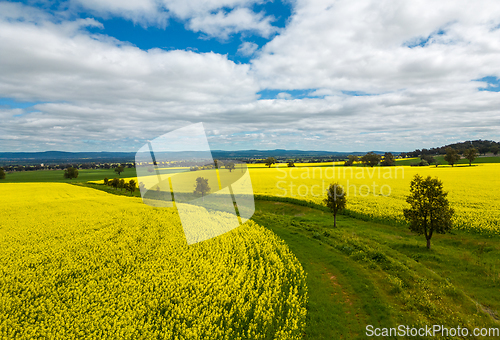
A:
482	146
105	156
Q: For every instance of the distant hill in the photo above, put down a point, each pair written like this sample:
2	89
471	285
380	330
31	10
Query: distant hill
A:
483	146
56	157
61	156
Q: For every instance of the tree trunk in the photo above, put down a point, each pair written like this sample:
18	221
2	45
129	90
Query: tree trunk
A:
428	243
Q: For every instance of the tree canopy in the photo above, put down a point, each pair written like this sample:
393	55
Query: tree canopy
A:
119	169
429	210
132	186
451	156
351	159
71	173
370	159
270	161
388	159
335	200
201	187
470	154
230	166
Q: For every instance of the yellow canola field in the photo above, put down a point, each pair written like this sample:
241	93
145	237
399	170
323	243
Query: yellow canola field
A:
380	192
77	263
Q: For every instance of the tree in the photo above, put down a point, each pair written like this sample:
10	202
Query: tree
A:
290	164
428	158
371	159
423	162
230	166
71	173
115	182
484	149
218	164
494	149
2	173
335	200
121	184
119	169
351	159
470	154
388	159
429	210
451	156
132	186
106	181
270	161
201	187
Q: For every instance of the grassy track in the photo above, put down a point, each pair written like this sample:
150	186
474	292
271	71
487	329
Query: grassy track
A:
363	273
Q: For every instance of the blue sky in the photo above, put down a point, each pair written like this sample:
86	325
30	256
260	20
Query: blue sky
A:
313	75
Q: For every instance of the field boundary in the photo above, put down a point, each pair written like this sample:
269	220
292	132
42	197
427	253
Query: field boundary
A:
345	212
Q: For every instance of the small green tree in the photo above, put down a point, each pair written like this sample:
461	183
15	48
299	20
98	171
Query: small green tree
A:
451	156
494	149
471	155
218	164
290	164
428	158
484	149
132	186
121	184
351	160
429	210
370	159
335	200
119	169
230	166
71	173
270	161
2	173
201	187
115	183
388	159
106	181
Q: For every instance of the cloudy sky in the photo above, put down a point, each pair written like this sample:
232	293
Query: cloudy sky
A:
338	75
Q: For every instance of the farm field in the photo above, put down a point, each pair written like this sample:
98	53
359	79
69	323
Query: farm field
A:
84	175
379	193
81	263
364	273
